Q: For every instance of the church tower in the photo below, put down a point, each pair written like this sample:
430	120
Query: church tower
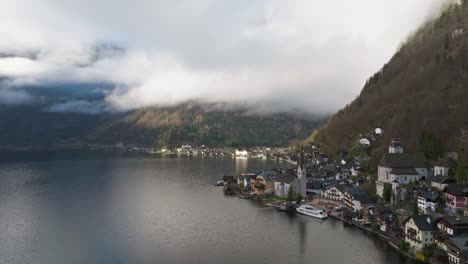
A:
301	175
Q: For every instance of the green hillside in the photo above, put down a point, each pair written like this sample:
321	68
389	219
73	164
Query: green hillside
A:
171	126
423	89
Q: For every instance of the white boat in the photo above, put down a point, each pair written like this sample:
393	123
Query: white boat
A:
313	211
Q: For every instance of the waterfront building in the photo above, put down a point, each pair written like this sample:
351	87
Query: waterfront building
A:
452	225
283	183
263	183
419	231
334	192
457	250
244	180
356	199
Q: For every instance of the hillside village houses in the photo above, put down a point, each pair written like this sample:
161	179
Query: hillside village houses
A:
456	196
340	184
419	231
428	201
398	168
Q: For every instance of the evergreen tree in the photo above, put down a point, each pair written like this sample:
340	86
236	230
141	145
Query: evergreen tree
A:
290	196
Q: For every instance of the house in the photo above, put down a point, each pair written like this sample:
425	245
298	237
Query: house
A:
452	225
419	231
263	184
364	142
441	182
401	167
456	196
457	32
428	201
245	178
284	182
442	166
241	153
314	187
378	131
457	249
344	171
334	192
356	199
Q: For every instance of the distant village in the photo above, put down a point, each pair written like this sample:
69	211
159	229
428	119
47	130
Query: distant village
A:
413	203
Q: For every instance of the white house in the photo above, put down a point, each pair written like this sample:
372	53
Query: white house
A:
379	131
364	142
419	231
241	153
334	192
401	167
283	183
428	201
441	182
442	166
356	199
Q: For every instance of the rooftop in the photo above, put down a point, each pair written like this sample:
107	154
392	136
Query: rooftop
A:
423	222
404	160
445	162
403	171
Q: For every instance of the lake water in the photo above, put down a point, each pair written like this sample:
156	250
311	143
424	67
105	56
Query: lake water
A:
149	210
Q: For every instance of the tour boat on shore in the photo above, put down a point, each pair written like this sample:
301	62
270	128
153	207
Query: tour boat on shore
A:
310	210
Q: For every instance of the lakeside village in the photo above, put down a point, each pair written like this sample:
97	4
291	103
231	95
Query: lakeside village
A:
416	205
201	151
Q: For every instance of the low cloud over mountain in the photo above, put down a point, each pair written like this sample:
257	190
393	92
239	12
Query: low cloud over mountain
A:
276	55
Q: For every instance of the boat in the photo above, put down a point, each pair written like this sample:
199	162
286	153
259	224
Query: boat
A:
313	211
285	207
219	183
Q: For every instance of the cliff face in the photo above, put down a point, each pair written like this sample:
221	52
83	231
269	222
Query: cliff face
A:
423	88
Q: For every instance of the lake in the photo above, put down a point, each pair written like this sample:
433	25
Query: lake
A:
158	210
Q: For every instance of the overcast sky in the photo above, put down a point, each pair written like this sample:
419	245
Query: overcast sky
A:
276	54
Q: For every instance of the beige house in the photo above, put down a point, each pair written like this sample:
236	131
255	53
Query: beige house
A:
419	231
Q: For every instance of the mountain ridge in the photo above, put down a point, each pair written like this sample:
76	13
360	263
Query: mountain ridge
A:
423	89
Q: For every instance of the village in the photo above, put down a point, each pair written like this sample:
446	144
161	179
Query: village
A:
413	203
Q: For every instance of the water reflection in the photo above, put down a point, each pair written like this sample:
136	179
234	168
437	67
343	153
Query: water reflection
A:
158	211
241	165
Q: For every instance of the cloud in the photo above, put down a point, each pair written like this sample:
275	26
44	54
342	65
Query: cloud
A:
78	106
14	97
277	55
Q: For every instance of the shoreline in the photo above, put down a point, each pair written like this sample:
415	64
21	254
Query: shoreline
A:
335	217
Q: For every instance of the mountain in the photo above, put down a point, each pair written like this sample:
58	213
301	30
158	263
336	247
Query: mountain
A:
201	124
36	126
30	125
420	95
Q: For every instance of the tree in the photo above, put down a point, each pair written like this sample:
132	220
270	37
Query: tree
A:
290	196
431	145
404	246
387	193
299	198
415	207
460	173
